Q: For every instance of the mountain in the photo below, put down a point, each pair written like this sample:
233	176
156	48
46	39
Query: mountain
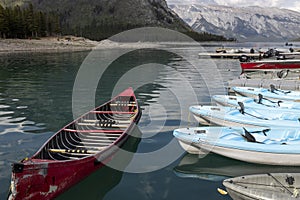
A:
99	19
244	23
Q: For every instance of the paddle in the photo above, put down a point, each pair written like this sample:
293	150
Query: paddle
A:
248	136
262	131
261	97
273	89
242	111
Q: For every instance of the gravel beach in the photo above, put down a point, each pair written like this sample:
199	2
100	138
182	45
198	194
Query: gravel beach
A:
47	44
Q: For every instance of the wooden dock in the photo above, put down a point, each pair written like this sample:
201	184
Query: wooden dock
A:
238	55
229	55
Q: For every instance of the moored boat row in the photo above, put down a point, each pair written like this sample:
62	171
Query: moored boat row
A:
258	125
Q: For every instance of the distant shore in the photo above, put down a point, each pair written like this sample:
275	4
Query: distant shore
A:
47	44
64	44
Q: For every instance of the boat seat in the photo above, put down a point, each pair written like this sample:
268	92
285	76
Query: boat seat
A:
97	136
104	125
73	151
103	132
106	121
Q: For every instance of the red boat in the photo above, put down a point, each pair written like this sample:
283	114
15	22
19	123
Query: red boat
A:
265	65
77	150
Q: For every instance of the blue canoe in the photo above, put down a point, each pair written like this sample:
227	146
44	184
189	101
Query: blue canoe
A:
231	116
274	146
272	93
258	103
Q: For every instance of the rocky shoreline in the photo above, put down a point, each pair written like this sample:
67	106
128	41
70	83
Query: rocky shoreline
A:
47	44
64	44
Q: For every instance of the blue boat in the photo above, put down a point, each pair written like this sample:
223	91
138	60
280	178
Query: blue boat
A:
272	93
258	103
276	146
247	117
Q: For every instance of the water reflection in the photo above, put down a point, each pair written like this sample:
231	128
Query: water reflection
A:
217	168
36	101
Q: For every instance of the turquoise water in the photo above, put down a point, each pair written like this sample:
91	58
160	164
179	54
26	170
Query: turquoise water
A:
36	98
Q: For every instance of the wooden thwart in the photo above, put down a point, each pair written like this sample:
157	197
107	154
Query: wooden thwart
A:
115	121
74	151
112	112
103	125
94	131
122	104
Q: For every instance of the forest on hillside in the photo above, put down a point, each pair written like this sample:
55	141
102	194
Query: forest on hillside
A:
26	22
29	22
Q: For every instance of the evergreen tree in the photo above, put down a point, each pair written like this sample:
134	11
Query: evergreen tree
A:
2	22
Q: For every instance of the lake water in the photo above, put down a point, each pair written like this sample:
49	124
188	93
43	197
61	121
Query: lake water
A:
37	99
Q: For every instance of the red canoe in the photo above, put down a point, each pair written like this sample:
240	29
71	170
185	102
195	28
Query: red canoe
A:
265	65
77	150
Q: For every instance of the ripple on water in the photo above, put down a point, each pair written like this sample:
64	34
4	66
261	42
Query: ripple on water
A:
22	107
3	106
2	113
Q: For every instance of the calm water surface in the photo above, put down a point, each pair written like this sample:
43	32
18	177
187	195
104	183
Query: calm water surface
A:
36	101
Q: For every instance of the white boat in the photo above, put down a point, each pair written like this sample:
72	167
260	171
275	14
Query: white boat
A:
258	103
272	93
281	74
270	186
276	146
247	117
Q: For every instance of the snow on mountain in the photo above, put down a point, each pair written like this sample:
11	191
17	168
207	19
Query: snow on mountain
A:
244	23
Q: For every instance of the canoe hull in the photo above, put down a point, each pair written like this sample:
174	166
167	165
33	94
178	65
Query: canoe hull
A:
77	150
53	178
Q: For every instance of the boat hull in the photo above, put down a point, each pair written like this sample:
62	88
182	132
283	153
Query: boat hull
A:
272	65
77	150
190	148
275	186
280	147
254	156
46	180
223	122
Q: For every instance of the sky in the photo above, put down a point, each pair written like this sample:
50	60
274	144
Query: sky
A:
288	4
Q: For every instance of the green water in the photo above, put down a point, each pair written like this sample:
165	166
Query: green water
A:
36	100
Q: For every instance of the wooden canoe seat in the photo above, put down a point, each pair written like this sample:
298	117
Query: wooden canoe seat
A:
74	151
112	112
110	132
115	122
122	104
104	125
